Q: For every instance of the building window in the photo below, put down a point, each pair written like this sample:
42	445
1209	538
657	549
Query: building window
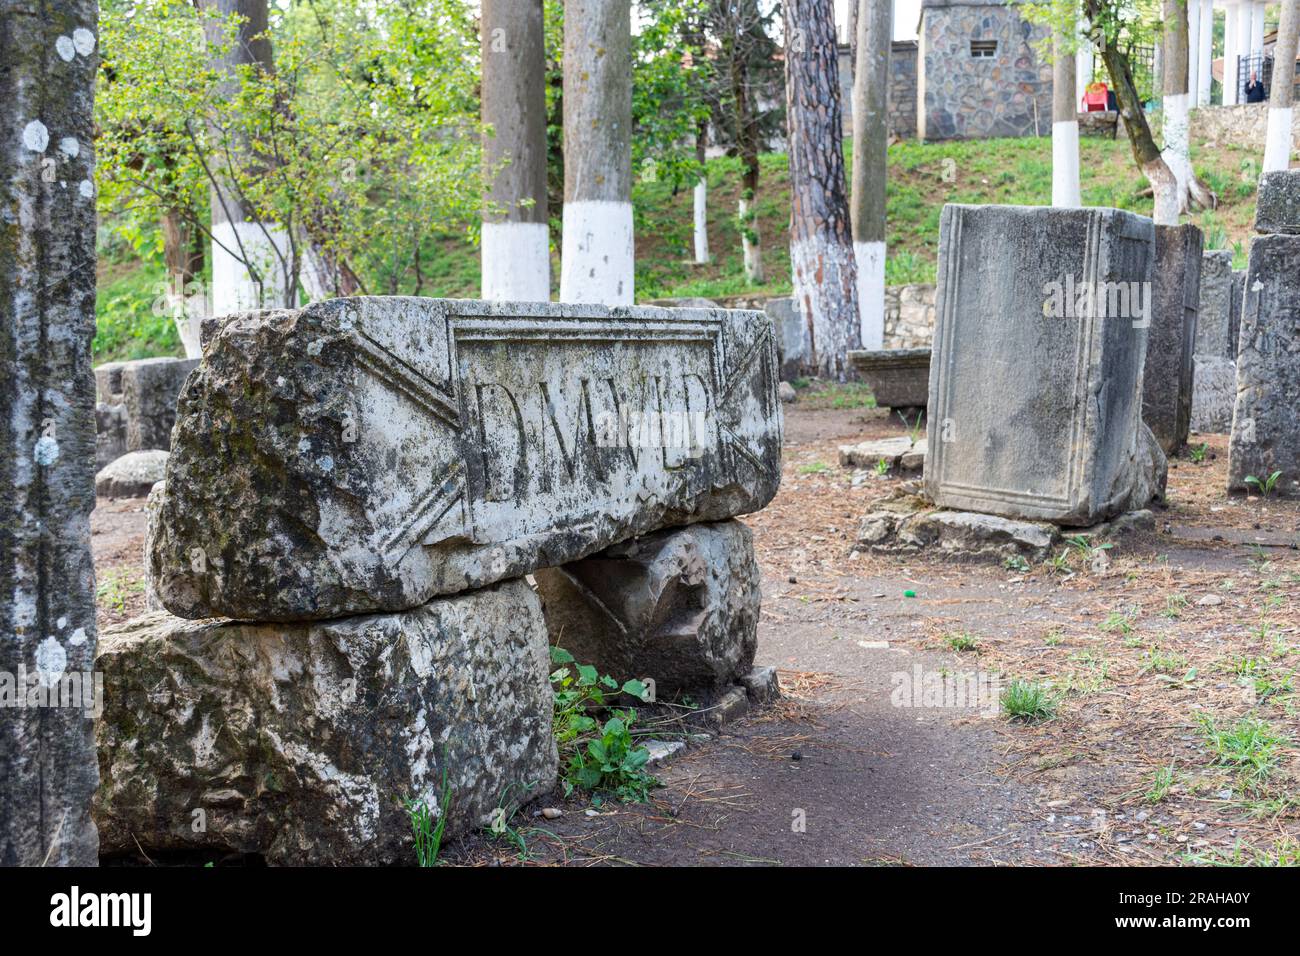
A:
983	48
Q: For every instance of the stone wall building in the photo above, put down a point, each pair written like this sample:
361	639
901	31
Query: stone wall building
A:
901	98
980	72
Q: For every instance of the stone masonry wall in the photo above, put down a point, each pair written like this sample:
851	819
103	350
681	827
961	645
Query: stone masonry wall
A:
1242	125
902	89
969	97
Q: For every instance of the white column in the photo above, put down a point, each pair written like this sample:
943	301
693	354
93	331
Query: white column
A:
1244	14
1193	52
1257	28
1229	54
1205	52
1083	65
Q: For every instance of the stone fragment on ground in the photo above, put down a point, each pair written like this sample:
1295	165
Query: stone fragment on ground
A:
678	608
376	452
300	742
1266	418
899	453
131	475
899	378
1037	415
787	393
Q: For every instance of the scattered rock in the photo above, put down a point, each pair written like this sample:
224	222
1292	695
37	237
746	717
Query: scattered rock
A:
662	750
132	475
785	391
762	685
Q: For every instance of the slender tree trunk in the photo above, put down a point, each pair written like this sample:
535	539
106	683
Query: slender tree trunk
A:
1277	147
516	237
183	255
870	148
1065	125
824	273
747	144
1145	152
250	265
597	262
1177	152
48	769
701	200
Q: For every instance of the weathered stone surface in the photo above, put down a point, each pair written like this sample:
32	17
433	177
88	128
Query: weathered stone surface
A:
301	741
1238	300
1214	395
48	62
1214	314
762	684
1266	418
791	344
1277	207
110	434
907	524
898	378
1040	341
677	607
150	388
152	510
1167	377
132	475
899	454
368	454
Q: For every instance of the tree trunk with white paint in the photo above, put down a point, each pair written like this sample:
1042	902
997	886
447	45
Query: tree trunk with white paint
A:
516	252
1277	144
1065	126
870	141
1146	154
701	202
823	268
251	258
48	767
1177	151
597	253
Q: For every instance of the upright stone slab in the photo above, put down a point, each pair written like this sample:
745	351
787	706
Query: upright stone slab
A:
1036	377
678	608
301	742
150	389
1238	301
1167	376
1214	395
47	433
1266	419
1214	313
1277	204
368	454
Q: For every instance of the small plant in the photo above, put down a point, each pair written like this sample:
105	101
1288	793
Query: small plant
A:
1060	564
1161	784
1118	623
1265	485
1028	701
597	758
882	467
428	825
1250	746
914	429
1161	662
1053	638
1197	452
1175	604
962	641
1016	563
113	589
814	468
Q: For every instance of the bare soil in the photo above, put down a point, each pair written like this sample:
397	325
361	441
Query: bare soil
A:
1150	651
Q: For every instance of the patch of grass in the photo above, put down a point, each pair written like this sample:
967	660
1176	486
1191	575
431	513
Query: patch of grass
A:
1029	701
1119	622
1250	746
1161	662
962	641
820	394
813	468
115	587
1161	784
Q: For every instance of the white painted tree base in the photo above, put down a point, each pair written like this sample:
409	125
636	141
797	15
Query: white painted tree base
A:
516	262
233	289
597	260
871	292
701	223
824	280
1177	153
1065	164
751	251
1277	143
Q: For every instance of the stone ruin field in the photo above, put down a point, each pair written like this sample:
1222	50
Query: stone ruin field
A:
1195	621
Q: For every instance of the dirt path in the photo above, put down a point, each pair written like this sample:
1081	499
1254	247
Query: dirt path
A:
1153	662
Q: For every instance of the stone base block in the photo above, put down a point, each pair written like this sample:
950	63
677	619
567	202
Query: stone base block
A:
899	454
678	607
132	475
300	742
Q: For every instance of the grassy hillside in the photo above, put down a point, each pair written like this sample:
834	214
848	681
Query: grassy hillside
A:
922	177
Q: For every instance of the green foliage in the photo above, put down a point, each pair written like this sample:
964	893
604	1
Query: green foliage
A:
1249	746
428	824
1264	485
962	641
1028	701
597	758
